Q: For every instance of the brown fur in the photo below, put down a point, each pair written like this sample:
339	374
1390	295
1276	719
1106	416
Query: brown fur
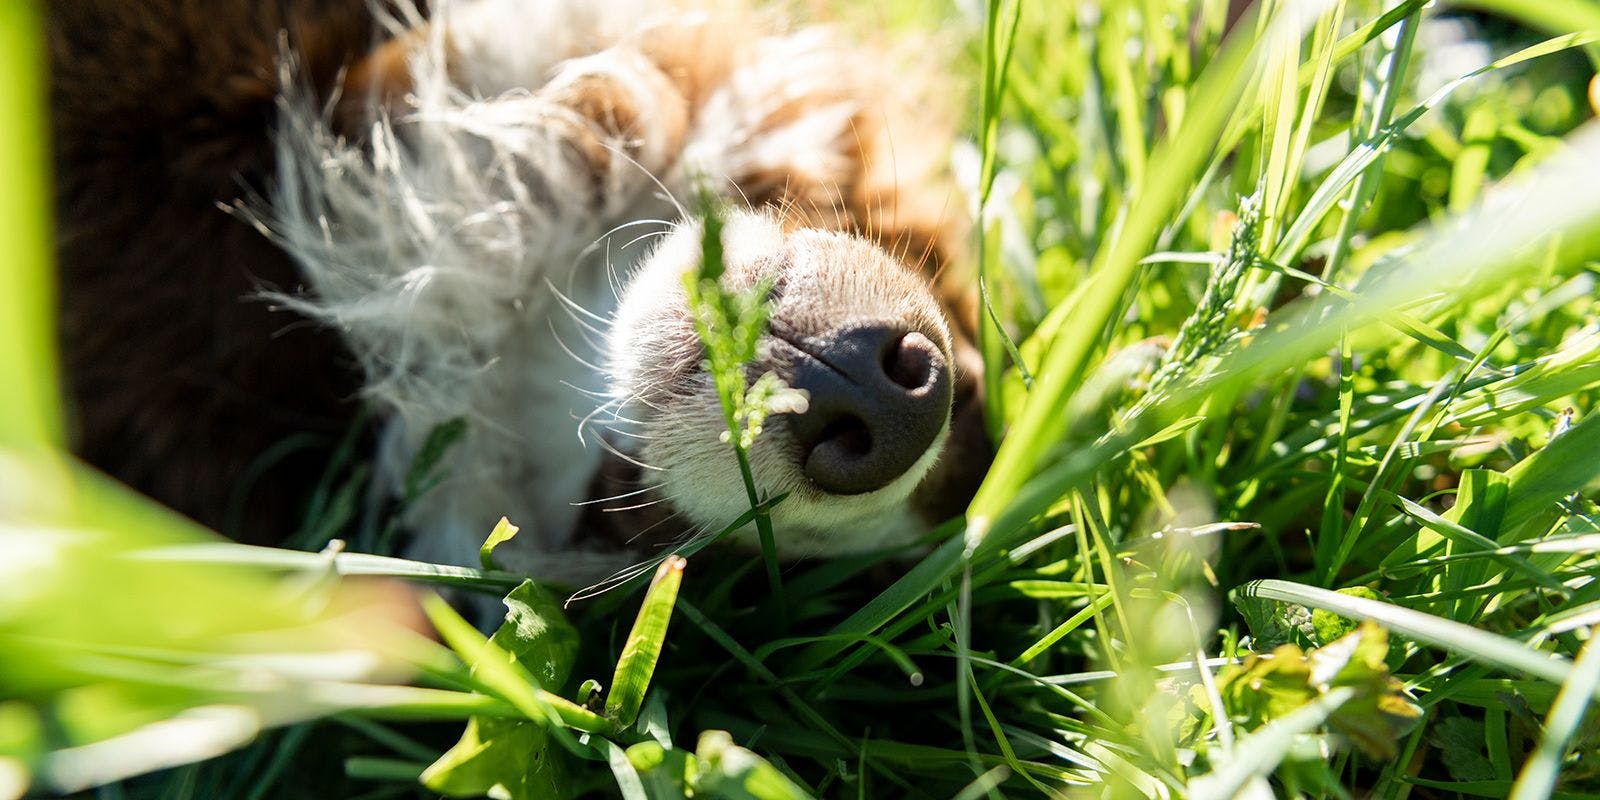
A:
179	381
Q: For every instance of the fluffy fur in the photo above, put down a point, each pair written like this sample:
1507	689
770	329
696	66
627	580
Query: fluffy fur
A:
471	205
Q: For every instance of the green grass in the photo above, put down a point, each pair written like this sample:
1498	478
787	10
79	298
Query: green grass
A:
1284	333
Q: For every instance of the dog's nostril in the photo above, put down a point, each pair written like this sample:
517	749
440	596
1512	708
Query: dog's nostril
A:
879	398
910	361
849	435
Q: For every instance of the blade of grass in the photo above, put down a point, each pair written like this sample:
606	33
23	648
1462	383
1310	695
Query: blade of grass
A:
1554	16
1565	465
1071	624
738	774
643	647
30	406
497	670
729	325
1540	773
753	662
1455	637
1178	158
1370	149
341	564
1489	243
991	333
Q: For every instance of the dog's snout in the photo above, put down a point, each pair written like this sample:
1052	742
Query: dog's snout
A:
880	395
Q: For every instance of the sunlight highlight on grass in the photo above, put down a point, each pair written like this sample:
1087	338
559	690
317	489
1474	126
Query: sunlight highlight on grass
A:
29	407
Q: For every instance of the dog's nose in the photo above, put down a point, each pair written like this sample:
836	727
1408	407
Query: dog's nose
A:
879	398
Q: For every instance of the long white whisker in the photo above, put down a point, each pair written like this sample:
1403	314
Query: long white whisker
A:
563	345
590	392
588	328
692	536
658	523
656	501
612	280
596	339
612	449
633	223
618	496
583	424
616	579
643	236
575	305
618	418
638	396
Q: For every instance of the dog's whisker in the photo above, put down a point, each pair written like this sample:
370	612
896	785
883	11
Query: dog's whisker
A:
597	394
656	501
613	282
643	236
589	250
612	449
596	339
576	306
564	348
584	325
622	496
673	517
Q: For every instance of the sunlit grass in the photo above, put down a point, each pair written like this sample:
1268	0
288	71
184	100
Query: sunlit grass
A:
29	408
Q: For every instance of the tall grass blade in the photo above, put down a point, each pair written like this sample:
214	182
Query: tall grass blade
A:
643	646
29	406
1540	773
1463	640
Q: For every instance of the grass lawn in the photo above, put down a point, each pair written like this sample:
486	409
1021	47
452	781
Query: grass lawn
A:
1293	358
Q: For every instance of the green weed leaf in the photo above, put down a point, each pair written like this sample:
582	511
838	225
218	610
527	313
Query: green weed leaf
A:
500	758
1374	713
503	532
1379	712
1273	623
665	772
513	758
537	635
1327	626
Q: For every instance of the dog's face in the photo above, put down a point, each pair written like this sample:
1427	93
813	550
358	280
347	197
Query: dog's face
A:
855	328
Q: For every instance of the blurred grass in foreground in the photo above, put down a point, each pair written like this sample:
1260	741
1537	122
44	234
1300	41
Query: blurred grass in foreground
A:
29	408
113	663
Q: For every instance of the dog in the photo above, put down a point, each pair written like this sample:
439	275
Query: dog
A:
274	215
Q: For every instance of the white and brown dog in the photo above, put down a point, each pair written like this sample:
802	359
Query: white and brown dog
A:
472	212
